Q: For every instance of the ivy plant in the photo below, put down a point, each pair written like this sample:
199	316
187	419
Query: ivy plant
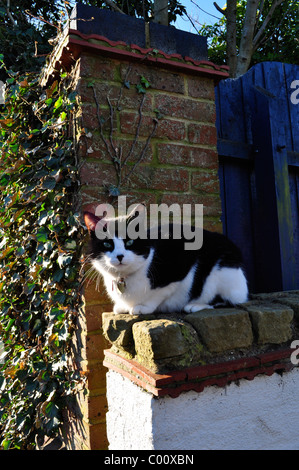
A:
40	247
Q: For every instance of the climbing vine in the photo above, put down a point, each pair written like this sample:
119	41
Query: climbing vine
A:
40	247
119	160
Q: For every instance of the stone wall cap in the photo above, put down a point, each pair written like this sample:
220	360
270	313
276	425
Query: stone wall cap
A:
167	342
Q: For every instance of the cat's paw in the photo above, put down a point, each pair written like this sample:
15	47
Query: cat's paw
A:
118	309
194	307
141	310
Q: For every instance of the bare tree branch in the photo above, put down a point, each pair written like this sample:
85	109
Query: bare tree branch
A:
9	14
259	35
113	5
223	12
246	47
231	36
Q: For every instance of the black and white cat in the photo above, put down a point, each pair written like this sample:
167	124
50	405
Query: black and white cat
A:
158	275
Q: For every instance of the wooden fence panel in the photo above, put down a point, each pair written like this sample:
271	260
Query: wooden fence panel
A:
258	146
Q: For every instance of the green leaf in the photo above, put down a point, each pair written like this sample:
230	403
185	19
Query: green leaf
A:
145	82
42	218
59	297
6	444
49	183
42	235
58	275
63	260
58	102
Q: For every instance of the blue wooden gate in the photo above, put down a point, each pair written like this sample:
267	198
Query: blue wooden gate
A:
258	146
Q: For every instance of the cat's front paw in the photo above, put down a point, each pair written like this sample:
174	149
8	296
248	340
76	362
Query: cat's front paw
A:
118	309
141	310
194	307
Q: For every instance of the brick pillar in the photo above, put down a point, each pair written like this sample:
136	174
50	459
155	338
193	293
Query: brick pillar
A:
180	164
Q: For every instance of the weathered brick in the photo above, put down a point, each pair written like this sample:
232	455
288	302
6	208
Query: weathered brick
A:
97	407
204	158
98	67
158	79
186	155
202	134
98	436
204	181
185	108
211	203
97	374
119	96
90	119
95	345
94	292
164	179
91	174
201	87
123	145
222	330
170	129
271	322
93	315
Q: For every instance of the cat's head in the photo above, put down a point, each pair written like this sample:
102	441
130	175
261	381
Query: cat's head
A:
112	249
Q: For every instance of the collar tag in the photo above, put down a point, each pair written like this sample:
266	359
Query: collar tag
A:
119	285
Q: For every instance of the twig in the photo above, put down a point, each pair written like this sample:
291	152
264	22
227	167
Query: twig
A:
9	14
137	131
41	19
156	122
223	12
114	6
259	35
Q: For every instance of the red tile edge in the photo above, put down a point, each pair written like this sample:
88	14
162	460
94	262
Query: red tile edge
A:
199	377
78	42
148	51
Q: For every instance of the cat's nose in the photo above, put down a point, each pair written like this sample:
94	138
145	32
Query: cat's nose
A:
120	258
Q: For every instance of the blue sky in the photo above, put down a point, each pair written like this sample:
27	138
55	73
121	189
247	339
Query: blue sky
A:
198	15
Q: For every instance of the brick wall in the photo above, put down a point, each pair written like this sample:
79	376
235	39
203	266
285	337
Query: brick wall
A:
179	166
181	161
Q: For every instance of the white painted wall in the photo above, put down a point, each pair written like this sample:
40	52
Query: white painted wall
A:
258	414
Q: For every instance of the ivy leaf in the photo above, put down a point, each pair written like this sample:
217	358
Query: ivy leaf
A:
145	82
58	103
42	218
42	235
58	275
59	297
63	260
140	88
49	183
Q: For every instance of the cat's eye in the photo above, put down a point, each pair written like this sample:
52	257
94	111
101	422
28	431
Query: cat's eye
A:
107	245
129	242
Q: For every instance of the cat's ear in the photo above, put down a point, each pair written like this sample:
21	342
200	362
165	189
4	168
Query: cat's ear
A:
91	221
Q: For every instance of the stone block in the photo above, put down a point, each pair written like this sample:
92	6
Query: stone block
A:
271	321
117	329
166	344
222	329
289	298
